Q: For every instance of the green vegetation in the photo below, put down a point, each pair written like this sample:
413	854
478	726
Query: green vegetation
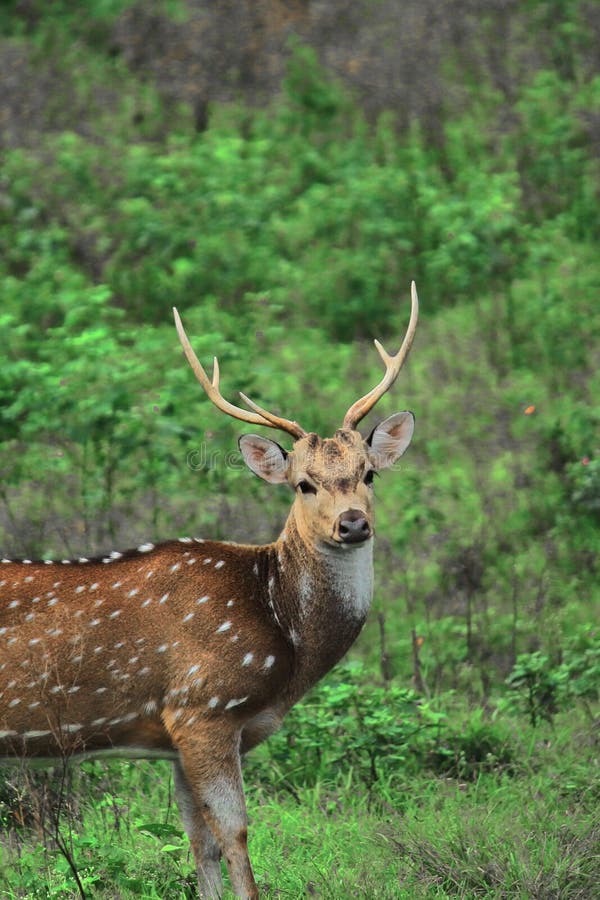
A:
456	754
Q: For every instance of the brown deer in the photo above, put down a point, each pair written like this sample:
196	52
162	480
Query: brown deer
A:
194	650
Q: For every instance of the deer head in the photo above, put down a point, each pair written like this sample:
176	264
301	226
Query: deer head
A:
332	478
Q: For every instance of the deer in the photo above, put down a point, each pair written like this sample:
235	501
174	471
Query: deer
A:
194	650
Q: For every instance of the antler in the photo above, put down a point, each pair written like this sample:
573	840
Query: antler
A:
393	364
260	416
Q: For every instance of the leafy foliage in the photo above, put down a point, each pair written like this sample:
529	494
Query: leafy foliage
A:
542	687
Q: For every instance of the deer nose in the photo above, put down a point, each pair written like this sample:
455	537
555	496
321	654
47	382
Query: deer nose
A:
353	527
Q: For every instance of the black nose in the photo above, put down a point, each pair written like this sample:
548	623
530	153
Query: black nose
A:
353	527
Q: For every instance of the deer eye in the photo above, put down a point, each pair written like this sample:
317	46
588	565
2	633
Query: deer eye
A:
368	479
306	487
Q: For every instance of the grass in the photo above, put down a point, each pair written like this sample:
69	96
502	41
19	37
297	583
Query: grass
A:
530	833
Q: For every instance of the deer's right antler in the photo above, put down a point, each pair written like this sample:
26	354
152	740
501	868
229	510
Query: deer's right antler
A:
260	416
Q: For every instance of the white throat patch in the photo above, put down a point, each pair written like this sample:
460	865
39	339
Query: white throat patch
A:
350	570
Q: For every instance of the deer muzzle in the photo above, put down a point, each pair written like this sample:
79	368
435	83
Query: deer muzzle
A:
352	527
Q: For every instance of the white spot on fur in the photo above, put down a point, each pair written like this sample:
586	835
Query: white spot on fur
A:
269	661
247	659
164	598
214	701
145	548
231	703
220	564
224	627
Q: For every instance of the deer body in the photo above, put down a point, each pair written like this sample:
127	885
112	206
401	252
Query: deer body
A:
114	648
195	649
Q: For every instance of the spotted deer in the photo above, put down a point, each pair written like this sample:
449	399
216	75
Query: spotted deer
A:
194	650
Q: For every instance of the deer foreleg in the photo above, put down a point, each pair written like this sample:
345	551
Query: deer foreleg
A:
211	782
206	850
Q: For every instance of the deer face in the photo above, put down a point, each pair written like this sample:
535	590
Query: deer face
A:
332	478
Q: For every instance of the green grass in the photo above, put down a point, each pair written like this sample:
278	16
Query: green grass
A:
533	833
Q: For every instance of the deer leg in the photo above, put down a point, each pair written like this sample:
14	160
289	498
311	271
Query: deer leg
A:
205	848
212	773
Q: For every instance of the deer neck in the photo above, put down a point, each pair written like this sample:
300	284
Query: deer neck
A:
321	596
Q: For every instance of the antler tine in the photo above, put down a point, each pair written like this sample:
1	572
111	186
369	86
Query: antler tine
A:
211	388
393	364
288	425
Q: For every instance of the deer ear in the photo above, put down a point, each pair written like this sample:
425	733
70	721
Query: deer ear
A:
390	439
264	457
